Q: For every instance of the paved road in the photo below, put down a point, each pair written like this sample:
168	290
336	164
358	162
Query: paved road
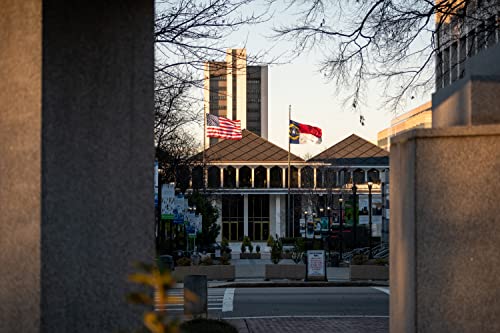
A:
309	301
318	309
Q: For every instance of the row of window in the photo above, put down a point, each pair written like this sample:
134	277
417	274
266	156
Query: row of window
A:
233	215
450	63
325	178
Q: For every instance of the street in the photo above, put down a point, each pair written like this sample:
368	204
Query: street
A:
279	309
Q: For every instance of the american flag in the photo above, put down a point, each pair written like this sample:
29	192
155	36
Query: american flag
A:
223	128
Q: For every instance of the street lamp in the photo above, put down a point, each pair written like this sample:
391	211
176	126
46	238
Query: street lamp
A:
321	210
370	184
341	237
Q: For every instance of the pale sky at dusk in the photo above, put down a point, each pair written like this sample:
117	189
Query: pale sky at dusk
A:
314	101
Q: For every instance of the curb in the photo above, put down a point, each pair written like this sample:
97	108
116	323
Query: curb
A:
302	284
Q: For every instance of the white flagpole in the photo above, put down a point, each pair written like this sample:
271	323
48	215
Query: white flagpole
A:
289	173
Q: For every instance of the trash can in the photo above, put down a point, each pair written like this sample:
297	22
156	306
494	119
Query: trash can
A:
165	262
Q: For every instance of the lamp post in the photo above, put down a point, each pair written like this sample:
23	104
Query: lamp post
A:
341	236
370	184
354	211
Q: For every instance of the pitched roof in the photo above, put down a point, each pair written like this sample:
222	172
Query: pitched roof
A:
251	148
353	150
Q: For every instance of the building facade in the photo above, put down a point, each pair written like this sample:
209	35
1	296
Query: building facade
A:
419	117
234	90
467	66
247	180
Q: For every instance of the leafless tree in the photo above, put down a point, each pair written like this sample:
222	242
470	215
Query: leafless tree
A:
390	41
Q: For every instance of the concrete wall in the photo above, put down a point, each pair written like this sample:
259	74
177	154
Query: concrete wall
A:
77	162
445	230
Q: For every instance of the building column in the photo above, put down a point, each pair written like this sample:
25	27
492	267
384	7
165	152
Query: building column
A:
253	177
76	120
278	215
283	176
245	215
268	177
299	176
366	176
237	176
314	175
222	177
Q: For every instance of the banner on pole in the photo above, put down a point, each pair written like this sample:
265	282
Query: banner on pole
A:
167	201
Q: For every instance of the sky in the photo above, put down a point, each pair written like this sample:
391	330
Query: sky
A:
314	101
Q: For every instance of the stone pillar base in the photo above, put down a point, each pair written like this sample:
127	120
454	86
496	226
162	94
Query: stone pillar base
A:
445	230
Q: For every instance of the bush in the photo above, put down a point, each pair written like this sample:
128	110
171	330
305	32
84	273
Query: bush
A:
207	326
298	250
243	248
257	249
276	251
359	259
287	240
183	261
270	241
225	242
247	241
250	248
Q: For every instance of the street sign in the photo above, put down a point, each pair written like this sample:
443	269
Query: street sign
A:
316	265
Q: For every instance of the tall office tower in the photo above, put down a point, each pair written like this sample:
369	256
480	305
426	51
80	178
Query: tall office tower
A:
467	65
237	91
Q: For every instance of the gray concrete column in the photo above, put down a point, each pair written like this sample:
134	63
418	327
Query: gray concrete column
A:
268	177
366	176
76	166
278	215
283	176
245	214
314	175
237	176
253	177
221	177
445	230
298	177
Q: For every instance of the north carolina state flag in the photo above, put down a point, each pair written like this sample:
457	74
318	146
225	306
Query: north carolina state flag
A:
302	133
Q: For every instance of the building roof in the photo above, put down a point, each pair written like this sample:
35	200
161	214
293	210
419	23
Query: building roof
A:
251	148
353	150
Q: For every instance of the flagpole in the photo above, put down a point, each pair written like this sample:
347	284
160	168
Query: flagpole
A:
289	172
204	144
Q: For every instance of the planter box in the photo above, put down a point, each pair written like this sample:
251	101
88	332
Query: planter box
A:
291	272
248	255
214	272
369	272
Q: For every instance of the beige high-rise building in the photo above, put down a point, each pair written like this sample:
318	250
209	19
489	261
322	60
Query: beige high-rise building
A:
234	90
419	117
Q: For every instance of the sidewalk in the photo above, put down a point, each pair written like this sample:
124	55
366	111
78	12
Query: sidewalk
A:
312	324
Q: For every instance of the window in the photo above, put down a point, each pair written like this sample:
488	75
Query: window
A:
260	175
229	177
276	177
245	177
454	62
307	177
213	177
232	217
197	180
374	176
359	176
258	217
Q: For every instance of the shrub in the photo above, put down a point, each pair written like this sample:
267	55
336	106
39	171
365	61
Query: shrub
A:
183	261
207	326
359	259
207	261
246	241
298	250
257	249
270	241
225	242
276	251
250	248
225	259
243	248
287	240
